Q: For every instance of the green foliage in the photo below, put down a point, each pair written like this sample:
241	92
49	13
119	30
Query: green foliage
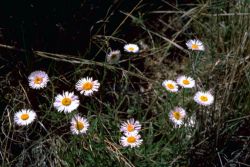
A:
132	89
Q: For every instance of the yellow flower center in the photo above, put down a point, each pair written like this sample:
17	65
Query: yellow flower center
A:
186	82
170	86
177	115
194	46
130	127
66	101
25	116
87	86
204	98
38	80
131	49
79	125
131	139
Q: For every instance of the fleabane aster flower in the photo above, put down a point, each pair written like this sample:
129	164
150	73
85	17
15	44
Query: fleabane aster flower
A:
131	48
87	86
113	56
186	82
130	126
131	140
24	117
38	79
204	98
170	85
177	116
66	102
79	125
195	44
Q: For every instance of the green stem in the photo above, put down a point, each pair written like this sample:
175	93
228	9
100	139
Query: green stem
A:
183	96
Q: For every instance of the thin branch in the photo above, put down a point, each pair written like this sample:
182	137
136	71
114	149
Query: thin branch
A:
74	60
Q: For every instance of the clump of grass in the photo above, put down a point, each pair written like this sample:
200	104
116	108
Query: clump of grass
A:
132	89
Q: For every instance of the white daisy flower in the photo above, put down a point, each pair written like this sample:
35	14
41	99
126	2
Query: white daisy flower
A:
66	102
195	44
186	82
131	48
204	98
177	115
24	117
170	85
38	79
131	139
113	56
87	86
79	125
130	126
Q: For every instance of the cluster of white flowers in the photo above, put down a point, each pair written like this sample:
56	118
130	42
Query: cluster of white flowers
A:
183	81
131	129
114	56
203	98
68	101
65	102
